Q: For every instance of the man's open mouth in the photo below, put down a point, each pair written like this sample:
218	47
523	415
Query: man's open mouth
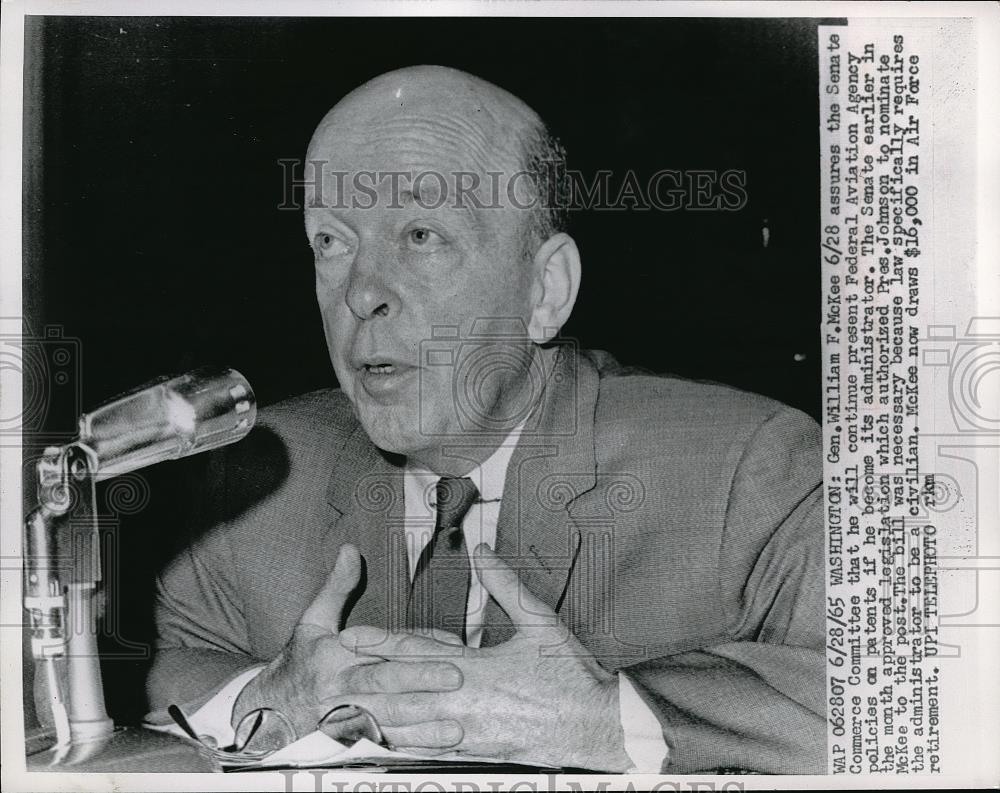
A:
385	379
380	368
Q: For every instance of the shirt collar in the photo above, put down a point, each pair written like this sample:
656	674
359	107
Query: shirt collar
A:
488	476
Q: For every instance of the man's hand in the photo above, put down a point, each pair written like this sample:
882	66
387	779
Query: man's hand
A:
314	671
539	698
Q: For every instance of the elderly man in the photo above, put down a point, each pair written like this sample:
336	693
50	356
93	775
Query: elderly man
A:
498	545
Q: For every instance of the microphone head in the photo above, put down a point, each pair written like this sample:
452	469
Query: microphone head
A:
169	418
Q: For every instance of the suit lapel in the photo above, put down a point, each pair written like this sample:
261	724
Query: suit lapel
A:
366	496
552	466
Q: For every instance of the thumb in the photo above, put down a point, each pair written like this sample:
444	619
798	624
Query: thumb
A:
528	614
326	609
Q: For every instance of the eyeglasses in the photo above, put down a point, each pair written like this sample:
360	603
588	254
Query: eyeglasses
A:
263	731
266	730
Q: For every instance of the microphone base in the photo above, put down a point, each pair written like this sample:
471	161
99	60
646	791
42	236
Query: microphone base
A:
128	750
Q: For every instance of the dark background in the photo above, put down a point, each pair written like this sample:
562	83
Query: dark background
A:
154	242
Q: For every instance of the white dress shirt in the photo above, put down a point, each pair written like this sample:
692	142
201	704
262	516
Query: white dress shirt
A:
644	741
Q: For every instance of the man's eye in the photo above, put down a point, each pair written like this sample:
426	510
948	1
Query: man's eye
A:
328	244
424	238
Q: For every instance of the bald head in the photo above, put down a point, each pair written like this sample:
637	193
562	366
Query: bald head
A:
464	111
481	127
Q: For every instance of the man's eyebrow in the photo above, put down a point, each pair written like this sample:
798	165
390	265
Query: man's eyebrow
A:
412	195
409	198
327	212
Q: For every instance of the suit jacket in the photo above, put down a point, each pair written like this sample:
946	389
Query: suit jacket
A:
675	526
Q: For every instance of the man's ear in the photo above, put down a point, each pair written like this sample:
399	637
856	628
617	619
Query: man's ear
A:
557	269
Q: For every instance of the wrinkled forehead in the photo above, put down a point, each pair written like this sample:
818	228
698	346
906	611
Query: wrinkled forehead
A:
427	159
423	131
428	103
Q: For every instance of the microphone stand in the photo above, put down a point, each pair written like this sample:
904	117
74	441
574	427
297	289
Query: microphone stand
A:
62	596
62	542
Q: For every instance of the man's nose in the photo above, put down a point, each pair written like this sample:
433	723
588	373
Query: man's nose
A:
368	294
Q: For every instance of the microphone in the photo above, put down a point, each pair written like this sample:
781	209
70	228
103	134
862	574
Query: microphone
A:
167	419
162	420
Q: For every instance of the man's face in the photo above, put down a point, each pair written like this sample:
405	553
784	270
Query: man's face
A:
401	281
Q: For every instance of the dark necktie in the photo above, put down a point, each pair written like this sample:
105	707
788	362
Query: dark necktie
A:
440	590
